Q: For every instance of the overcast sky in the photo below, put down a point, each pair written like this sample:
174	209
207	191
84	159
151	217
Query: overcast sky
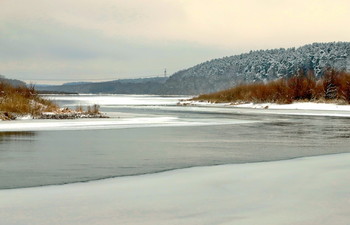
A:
66	40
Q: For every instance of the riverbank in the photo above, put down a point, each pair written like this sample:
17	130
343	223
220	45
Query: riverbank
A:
57	114
24	102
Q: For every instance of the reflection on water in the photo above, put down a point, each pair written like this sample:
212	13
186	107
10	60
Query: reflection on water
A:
16	136
316	128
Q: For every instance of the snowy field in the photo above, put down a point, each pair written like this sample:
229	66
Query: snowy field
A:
312	191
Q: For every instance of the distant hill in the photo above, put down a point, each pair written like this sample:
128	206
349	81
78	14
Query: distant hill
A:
12	82
223	73
76	83
123	86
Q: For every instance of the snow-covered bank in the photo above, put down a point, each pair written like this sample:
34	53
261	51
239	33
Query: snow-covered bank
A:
301	191
297	105
297	108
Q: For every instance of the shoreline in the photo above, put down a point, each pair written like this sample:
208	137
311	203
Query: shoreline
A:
62	114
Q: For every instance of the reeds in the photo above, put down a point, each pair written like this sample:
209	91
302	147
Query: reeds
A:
93	110
333	86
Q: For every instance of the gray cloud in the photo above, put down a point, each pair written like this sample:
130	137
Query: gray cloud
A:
81	39
36	51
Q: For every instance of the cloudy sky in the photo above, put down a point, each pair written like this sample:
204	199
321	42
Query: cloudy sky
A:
47	41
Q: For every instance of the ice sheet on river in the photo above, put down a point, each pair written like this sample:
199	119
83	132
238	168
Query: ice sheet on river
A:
110	123
313	191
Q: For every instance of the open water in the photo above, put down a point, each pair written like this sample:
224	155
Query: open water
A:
149	134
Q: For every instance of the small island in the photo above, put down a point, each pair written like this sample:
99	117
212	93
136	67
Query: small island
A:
24	101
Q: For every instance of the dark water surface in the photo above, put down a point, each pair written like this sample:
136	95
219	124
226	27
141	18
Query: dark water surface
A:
56	157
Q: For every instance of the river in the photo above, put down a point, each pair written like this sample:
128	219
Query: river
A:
149	134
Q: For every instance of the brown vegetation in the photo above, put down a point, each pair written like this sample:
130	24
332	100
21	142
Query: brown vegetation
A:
333	86
90	110
22	100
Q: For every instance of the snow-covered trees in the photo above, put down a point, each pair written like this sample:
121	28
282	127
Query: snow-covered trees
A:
262	65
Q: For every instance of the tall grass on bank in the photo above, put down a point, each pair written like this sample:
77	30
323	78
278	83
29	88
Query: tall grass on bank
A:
23	100
333	86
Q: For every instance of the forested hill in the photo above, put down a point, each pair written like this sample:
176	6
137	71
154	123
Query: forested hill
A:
123	86
223	73
263	65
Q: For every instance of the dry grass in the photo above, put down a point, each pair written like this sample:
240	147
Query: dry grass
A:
333	87
22	100
93	110
90	110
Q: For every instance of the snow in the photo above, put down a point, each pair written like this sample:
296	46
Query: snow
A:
111	123
117	100
298	108
296	105
312	191
24	117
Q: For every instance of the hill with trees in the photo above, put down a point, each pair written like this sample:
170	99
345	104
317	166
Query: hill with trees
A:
220	74
123	86
259	66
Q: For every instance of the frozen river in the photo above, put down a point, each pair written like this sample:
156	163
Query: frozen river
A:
148	134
